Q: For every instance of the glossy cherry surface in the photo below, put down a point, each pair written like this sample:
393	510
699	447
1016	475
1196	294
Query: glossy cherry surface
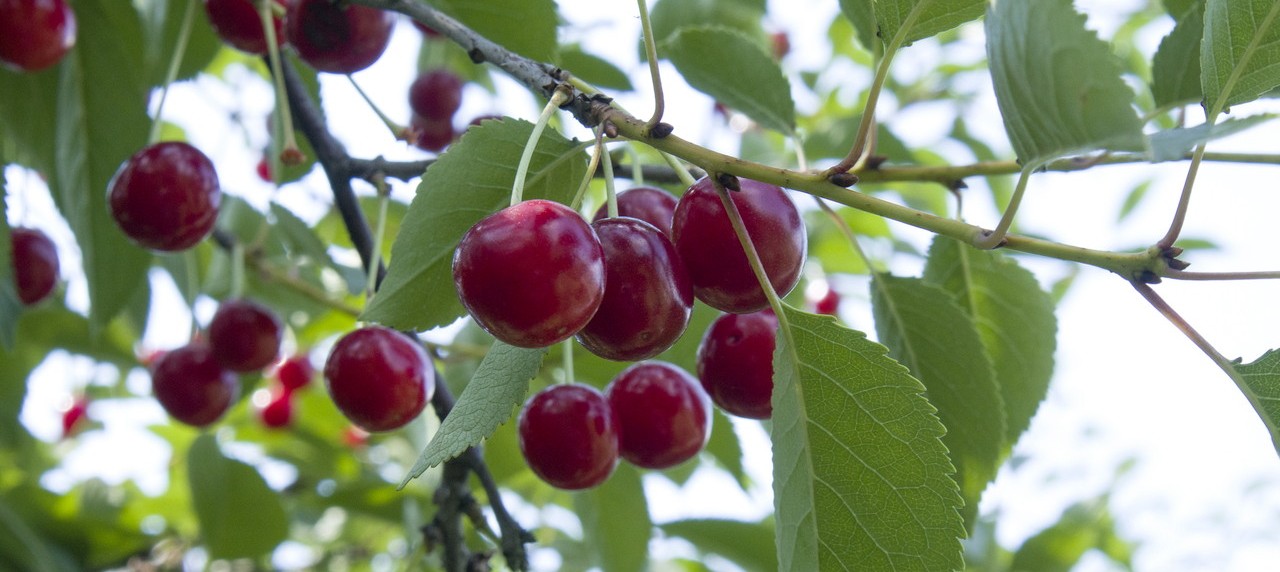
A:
433	134
436	95
35	264
338	37
704	237
192	386
166	196
531	274
569	436
35	34
245	335
238	23
650	204
277	413
664	416
379	378
735	363
647	293
295	372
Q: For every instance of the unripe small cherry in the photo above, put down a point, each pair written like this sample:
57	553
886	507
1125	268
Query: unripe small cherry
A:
166	196
663	414
379	378
569	436
35	264
192	386
245	335
735	363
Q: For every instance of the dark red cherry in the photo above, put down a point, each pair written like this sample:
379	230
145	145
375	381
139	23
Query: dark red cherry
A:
245	336
192	386
781	44
35	264
35	34
277	413
295	372
338	37
735	363
436	95
569	436
433	135
828	302
75	416
652	205
647	293
166	196
704	237
531	274
238	23
664	416
379	378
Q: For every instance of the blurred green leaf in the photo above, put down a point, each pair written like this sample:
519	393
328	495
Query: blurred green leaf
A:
919	19
668	16
729	67
1174	144
862	14
240	516
747	544
1133	199
161	23
526	27
1238	54
1175	68
10	306
594	69
615	521
1082	527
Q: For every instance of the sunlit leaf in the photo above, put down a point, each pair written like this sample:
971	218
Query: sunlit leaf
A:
1082	527
1239	53
526	27
615	521
737	72
669	16
1175	68
919	19
1174	144
240	516
747	544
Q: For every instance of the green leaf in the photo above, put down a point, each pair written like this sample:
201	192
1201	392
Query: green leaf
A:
593	69
161	24
470	181
615	521
298	237
1014	317
1239	53
526	27
938	341
1260	383
1179	8
24	548
919	19
1175	68
1133	199
728	66
723	445
861	477
240	516
1058	85
747	544
497	388
1083	527
27	109
862	14
669	16
10	306
1174	144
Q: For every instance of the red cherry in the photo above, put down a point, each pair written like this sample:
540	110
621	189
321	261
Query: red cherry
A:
355	437
295	372
828	304
531	274
735	363
569	436
245	336
781	44
426	30
337	37
238	23
647	293
379	378
436	95
192	386
433	135
35	264
264	170
704	237
650	204
664	416
166	196
35	34
277	413
75	416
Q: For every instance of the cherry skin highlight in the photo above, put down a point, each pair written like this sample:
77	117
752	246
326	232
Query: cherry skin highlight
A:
245	336
337	37
379	378
704	237
569	436
436	95
647	294
650	204
35	264
664	416
35	34
735	363
531	274
192	386
166	196
238	23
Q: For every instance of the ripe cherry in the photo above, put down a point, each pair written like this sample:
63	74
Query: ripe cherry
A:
781	44
192	386
166	196
664	416
35	264
337	37
35	34
379	378
295	372
436	95
650	204
704	237
531	274
75	416
569	436
826	301
647	293
245	336
433	135
264	170
238	23
735	363
278	412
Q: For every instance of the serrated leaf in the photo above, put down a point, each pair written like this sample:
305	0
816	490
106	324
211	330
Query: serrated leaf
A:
1260	383
526	27
1174	144
1175	68
861	477
222	490
919	19
594	70
615	521
498	387
470	181
1059	87
669	16
1179	8
1014	317
728	66
298	236
747	544
939	343
1239	53
862	14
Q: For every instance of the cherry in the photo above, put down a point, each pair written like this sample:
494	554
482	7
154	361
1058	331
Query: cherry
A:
531	274
650	204
704	237
436	95
35	34
277	413
245	336
238	23
781	44
828	303
664	416
295	372
192	386
647	293
433	135
735	363
569	436
355	437
35	264
379	378
166	196
426	30
264	170
337	37
75	416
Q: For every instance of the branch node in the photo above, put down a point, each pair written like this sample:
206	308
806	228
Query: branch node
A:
476	55
843	179
728	181
660	130
1148	277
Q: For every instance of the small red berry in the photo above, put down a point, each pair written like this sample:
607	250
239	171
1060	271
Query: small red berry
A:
75	416
295	372
277	413
245	336
35	264
35	34
264	170
735	363
436	95
650	204
569	436
166	196
432	134
192	386
338	37
664	416
239	24
781	44
828	303
379	378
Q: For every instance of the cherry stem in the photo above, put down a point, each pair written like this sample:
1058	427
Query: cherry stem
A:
237	270
596	150
637	167
610	193
995	237
397	130
860	149
522	170
651	54
567	355
1184	200
682	172
375	260
175	62
1206	276
290	154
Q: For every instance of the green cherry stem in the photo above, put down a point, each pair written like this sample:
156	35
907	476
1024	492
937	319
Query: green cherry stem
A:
397	130
567	354
651	53
637	168
290	154
995	237
1208	276
610	194
237	270
175	62
596	150
682	172
522	170
375	258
